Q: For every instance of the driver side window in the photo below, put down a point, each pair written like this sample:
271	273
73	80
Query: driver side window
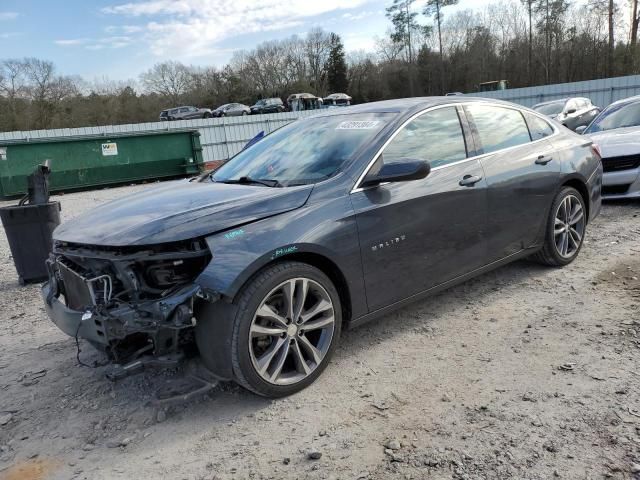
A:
435	136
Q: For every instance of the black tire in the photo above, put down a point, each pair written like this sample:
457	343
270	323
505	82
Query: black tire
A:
244	113
207	115
549	254
249	300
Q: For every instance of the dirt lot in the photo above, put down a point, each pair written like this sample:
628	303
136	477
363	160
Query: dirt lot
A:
527	372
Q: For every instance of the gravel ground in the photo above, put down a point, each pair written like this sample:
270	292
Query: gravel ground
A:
526	372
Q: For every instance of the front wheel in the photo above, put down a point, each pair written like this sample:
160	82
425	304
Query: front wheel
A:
286	328
244	113
566	227
207	115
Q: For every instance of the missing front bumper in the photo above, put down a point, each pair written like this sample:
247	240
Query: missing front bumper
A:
71	321
160	323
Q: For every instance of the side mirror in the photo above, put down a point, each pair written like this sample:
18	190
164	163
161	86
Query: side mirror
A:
571	111
580	130
402	171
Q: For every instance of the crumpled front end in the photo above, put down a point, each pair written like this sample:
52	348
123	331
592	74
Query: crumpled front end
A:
127	301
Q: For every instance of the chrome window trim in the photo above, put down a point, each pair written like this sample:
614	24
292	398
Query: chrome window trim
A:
356	188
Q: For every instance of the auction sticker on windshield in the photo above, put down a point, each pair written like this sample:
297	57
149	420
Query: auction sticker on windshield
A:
355	125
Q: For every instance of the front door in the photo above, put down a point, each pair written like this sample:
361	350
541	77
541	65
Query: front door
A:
417	234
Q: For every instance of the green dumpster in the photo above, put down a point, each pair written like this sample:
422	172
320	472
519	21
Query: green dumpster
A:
97	160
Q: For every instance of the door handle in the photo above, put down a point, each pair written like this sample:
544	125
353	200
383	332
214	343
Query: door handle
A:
543	160
469	180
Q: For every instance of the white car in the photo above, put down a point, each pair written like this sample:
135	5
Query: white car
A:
617	132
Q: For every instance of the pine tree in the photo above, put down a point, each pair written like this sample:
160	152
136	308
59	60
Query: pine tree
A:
337	66
433	8
405	23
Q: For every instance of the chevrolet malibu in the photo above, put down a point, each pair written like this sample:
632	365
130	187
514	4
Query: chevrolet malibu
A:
324	224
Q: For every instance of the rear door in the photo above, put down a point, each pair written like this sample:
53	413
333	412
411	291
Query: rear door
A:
194	113
417	234
522	172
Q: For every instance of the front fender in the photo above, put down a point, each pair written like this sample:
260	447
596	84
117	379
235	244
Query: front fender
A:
327	228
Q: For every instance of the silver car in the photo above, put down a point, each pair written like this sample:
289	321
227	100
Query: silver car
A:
231	110
571	112
617	133
185	113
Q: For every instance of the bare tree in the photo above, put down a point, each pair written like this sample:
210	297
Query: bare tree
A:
388	49
529	5
318	46
46	90
12	86
635	21
171	79
607	9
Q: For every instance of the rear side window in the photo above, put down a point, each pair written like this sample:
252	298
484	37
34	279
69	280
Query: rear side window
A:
499	127
538	127
435	136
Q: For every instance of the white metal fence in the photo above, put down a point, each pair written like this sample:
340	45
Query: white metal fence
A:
601	92
221	138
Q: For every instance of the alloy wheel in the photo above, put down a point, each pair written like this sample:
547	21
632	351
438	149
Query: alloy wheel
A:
291	331
569	226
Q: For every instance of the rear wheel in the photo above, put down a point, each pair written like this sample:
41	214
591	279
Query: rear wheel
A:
286	328
566	227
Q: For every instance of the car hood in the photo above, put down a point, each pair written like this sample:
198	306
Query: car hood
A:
179	211
618	142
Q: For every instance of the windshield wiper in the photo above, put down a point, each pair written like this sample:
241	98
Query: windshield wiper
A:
267	182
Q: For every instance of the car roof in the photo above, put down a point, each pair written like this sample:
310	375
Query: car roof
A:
405	105
557	100
633	99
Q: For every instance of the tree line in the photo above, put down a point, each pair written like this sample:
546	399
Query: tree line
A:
427	50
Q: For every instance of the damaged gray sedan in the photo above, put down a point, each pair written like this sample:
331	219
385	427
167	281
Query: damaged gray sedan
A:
324	224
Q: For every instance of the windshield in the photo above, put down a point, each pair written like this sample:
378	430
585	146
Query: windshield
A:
305	151
554	108
616	116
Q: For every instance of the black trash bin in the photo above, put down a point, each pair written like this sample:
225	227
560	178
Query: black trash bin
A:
29	227
29	230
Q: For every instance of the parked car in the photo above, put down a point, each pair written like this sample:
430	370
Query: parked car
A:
571	112
324	224
336	100
231	110
268	105
298	102
185	113
617	132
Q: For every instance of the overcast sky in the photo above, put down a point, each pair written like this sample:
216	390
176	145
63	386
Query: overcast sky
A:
120	38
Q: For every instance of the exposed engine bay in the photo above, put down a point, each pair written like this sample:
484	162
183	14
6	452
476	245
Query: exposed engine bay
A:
131	301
